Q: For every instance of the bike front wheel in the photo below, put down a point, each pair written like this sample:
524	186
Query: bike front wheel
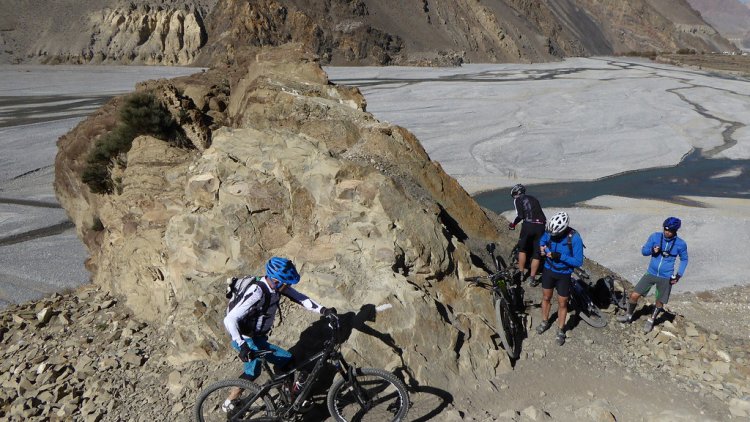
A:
505	327
373	395
593	316
211	403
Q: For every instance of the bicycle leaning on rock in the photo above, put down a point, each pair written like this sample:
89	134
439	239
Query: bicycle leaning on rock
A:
357	394
507	298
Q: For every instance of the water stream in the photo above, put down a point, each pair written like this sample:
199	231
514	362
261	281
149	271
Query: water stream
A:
696	175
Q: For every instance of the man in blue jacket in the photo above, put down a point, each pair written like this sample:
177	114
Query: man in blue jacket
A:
663	248
563	248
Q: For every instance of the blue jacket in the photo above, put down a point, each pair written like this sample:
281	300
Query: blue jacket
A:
567	261
663	266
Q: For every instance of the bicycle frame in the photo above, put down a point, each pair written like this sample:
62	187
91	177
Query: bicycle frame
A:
501	278
330	353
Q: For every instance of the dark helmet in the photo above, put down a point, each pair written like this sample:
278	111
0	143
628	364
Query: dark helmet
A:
518	189
283	270
672	224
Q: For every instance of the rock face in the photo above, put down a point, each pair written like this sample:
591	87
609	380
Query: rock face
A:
304	172
421	32
139	32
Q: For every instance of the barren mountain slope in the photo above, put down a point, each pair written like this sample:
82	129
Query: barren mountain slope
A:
730	17
213	32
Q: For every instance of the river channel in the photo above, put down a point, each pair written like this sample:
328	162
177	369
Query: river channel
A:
618	143
700	170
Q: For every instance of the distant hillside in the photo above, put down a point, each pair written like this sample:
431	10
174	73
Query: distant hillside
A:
730	17
427	32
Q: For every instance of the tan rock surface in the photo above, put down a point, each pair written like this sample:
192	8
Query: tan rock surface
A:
305	173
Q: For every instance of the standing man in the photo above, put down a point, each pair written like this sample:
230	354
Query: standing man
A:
253	303
664	248
530	212
563	248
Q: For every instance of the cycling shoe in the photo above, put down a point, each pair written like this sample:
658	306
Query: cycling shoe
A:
560	338
544	326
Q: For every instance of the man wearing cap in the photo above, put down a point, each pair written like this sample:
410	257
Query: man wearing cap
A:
664	248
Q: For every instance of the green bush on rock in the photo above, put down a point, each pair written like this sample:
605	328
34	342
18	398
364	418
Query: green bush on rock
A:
141	114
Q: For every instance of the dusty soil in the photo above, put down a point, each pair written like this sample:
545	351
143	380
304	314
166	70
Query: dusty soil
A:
82	355
736	65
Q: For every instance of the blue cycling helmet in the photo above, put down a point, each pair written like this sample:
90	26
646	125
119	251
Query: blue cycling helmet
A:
672	224
283	270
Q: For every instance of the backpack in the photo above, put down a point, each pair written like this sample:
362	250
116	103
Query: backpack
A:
571	232
239	287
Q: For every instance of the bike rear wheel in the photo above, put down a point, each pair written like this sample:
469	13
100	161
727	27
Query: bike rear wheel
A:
505	327
374	395
209	406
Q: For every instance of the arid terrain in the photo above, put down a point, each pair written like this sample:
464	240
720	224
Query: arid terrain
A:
727	63
112	366
262	155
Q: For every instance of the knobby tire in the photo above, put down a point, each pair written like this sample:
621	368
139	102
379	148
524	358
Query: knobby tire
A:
385	397
592	315
208	406
504	327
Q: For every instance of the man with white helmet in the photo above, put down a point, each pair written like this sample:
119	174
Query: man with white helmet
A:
563	248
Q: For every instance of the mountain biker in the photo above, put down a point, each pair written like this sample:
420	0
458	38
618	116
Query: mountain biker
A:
530	212
563	248
253	302
663	248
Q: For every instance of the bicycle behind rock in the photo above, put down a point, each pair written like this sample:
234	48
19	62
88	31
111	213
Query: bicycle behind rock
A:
507	298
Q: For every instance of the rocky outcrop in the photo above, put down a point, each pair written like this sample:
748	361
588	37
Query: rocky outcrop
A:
304	172
139	32
337	31
145	35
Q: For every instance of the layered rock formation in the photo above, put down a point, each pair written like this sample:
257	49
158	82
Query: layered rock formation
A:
139	32
300	171
422	32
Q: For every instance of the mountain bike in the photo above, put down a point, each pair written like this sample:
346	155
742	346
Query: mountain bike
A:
358	394
507	298
580	300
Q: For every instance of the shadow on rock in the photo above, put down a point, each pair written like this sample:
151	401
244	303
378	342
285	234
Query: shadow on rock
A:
426	402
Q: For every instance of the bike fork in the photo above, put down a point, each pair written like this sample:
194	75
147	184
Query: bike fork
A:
359	393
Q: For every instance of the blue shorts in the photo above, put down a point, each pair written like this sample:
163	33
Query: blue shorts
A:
279	357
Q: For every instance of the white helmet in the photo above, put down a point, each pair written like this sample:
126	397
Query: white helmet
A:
558	223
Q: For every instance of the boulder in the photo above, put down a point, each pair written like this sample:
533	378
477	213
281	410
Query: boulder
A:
306	173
